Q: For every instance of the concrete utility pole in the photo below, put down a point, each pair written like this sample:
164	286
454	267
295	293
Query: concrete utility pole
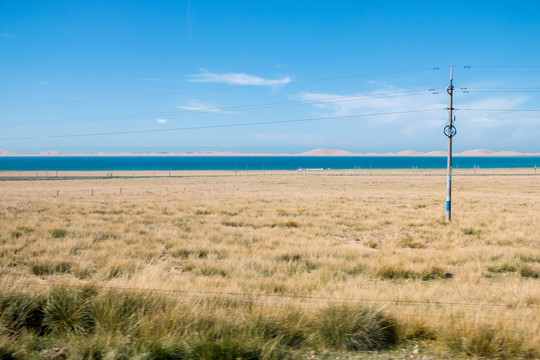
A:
450	131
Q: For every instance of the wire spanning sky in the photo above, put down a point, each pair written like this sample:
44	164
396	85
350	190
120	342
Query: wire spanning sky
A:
275	77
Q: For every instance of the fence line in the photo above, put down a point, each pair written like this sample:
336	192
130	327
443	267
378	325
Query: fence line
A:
168	173
282	299
283	296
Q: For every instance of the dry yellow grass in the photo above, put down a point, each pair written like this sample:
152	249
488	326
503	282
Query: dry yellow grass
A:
302	240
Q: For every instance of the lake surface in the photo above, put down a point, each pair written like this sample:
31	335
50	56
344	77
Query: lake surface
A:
97	163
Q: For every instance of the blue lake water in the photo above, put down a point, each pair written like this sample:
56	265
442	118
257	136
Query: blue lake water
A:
98	163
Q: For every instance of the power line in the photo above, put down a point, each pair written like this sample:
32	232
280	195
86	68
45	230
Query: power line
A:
214	89
221	126
372	74
249	86
336	99
497	89
500	88
500	66
502	91
500	110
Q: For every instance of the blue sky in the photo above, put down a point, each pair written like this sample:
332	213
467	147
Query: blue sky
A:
173	76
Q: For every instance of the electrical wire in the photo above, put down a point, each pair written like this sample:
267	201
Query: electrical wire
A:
222	125
215	89
500	110
500	88
500	66
336	99
501	91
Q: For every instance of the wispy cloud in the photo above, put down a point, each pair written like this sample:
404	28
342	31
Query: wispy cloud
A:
398	100
7	36
161	121
479	124
389	100
486	119
506	129
195	105
237	79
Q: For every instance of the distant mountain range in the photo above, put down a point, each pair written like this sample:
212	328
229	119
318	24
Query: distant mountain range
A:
316	152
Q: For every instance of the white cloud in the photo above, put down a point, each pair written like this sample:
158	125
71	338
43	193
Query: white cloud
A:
195	105
236	79
396	100
161	121
524	135
484	128
485	119
498	102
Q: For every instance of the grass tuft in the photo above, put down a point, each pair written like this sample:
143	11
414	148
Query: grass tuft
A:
471	231
180	254
69	311
503	268
289	327
355	270
353	327
482	340
9	352
527	271
213	271
529	258
417	330
239	348
232	224
116	311
290	224
20	311
50	268
100	236
159	351
58	233
392	272
290	257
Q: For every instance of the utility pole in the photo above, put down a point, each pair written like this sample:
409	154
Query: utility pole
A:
450	131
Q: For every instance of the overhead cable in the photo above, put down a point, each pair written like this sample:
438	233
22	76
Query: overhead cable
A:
221	126
336	99
230	87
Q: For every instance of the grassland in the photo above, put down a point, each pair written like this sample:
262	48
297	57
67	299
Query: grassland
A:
270	266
